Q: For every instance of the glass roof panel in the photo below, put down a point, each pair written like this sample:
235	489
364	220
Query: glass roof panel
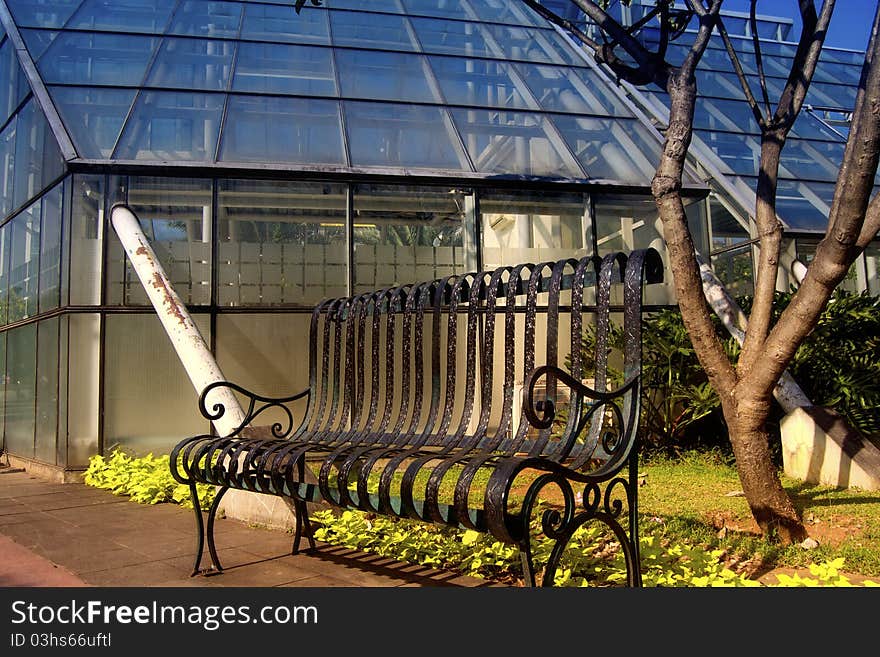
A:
192	64
532	45
441	8
455	38
172	126
42	13
522	143
483	82
392	6
97	58
611	149
562	89
504	11
371	30
284	69
410	136
93	116
150	16
288	130
37	41
207	18
13	84
384	75
804	206
272	23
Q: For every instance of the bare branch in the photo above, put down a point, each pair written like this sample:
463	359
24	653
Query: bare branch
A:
741	76
756	43
872	223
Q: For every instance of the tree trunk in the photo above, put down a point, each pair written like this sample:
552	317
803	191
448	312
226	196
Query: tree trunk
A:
768	501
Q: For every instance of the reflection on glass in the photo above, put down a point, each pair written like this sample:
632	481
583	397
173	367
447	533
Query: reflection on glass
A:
192	64
86	238
21	365
36	41
483	82
385	75
401	136
371	30
502	11
46	434
295	130
175	215
93	116
804	206
40	13
7	168
455	38
278	23
24	263
172	126
281	243
440	8
107	59
611	149
408	234
390	6
284	69
5	255
560	89
50	250
533	227
37	156
13	85
530	45
204	18
150	16
515	143
83	374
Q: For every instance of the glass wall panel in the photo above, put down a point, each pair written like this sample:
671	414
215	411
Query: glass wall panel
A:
47	391
535	227
97	58
202	64
50	249
12	81
86	238
281	243
149	402
265	353
7	169
37	157
4	380
83	381
150	16
284	69
410	234
384	75
872	268
727	231
485	82
21	365
402	136
93	117
625	223
294	130
36	41
172	126
175	215
24	264
612	149
5	258
382	31
514	142
560	89
204	18
734	268
274	23
804	206
455	38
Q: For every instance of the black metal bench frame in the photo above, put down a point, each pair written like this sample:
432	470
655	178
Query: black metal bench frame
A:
370	450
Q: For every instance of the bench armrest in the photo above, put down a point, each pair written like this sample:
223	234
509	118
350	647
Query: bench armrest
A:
255	406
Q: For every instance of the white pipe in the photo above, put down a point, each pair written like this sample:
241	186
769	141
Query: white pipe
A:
787	392
197	359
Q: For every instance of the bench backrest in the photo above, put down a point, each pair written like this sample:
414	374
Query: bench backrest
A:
466	362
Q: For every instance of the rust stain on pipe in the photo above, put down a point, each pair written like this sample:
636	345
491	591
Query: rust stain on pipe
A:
159	284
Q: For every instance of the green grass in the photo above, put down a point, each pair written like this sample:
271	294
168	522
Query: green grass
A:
687	500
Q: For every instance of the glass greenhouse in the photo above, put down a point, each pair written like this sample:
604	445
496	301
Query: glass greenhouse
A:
277	159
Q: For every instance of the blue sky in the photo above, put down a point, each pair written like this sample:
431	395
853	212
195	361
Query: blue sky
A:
850	23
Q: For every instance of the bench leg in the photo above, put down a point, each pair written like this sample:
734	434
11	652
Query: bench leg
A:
212	514
202	531
303	526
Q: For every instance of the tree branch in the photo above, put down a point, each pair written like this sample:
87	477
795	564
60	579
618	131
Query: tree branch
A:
847	222
756	43
741	76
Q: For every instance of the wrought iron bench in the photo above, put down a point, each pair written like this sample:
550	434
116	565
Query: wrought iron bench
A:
413	409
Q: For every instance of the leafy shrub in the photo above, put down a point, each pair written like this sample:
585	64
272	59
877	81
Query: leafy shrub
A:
146	480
